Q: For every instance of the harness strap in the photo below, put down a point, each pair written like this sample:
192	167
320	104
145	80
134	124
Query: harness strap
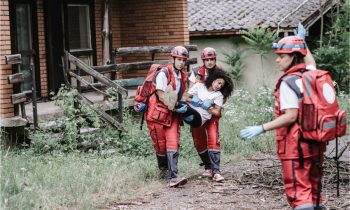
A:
337	162
300	153
319	183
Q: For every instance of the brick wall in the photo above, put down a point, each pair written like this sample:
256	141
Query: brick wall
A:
154	22
98	30
6	108
142	23
151	23
42	49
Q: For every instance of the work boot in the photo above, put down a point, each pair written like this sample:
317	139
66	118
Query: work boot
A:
175	182
162	162
173	157
218	178
215	161
205	159
162	165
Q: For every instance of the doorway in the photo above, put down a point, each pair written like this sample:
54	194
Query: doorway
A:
25	41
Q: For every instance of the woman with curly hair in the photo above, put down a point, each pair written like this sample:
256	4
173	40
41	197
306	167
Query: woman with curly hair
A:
204	101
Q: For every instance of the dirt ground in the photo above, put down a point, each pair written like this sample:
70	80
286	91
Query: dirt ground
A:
253	183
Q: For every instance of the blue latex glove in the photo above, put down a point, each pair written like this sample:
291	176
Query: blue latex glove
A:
207	104
195	100
251	131
189	118
300	32
140	107
182	109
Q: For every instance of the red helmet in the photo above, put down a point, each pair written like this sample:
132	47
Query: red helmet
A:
207	53
290	44
179	51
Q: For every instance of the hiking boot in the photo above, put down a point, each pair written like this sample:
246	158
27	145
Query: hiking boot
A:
175	182
218	178
207	173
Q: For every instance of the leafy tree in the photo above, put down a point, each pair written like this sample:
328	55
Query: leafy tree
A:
234	60
334	55
260	41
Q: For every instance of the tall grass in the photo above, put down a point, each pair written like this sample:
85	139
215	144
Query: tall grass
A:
244	109
123	166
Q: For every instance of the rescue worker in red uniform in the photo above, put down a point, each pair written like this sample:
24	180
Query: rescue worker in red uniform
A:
207	137
301	160
164	124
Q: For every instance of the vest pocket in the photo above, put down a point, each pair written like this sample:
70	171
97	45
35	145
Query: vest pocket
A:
309	117
281	144
160	114
341	123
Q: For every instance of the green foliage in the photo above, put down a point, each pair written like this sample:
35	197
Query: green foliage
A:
334	55
243	109
90	180
65	136
259	39
71	181
234	60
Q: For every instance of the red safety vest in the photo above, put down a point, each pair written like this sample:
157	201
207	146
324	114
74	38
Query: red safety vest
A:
288	142
200	77
157	111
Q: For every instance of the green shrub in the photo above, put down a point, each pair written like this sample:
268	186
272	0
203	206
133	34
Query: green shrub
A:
245	109
234	60
334	55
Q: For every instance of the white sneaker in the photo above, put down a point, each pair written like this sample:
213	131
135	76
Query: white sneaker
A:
175	182
218	178
207	173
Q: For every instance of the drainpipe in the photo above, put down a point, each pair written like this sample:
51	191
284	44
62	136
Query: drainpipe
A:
289	14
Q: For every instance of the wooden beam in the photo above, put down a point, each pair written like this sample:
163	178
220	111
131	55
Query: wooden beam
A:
131	82
16	78
106	117
149	50
135	66
101	78
126	83
13	59
18	98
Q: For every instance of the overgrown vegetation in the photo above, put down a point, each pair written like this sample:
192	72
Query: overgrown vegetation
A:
260	41
119	166
334	55
86	170
234	60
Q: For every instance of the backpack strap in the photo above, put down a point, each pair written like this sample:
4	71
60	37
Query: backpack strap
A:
291	83
166	72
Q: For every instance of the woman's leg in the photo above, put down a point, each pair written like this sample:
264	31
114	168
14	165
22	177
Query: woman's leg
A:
214	146
297	183
172	135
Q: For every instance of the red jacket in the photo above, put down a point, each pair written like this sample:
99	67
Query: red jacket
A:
157	111
287	138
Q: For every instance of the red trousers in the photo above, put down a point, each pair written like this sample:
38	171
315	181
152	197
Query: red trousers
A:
165	138
301	185
207	137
